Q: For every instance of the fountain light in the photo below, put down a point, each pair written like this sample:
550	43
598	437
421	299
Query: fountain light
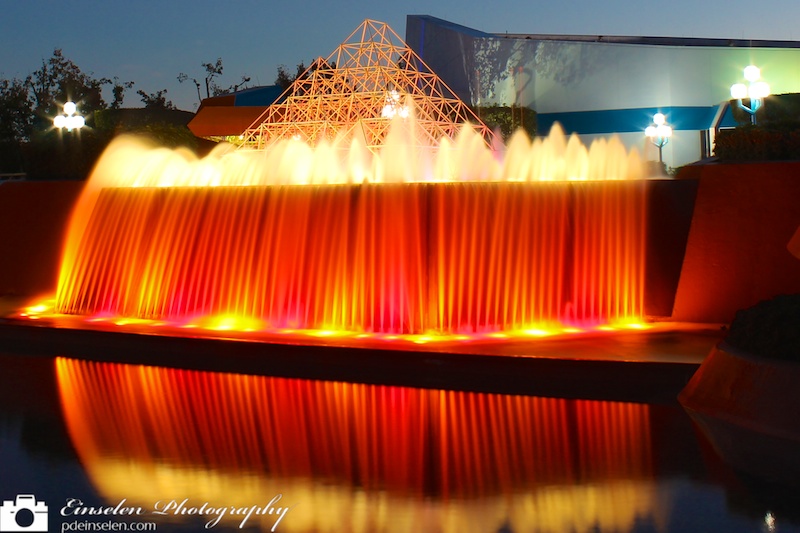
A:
393	107
659	133
755	91
769	521
70	119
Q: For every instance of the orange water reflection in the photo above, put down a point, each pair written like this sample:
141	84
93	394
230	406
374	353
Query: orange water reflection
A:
360	457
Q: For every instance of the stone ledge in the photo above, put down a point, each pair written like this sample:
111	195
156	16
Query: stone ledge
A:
747	406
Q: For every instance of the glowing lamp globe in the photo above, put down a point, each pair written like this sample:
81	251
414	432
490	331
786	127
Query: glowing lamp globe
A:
752	73
759	89
75	122
69	119
739	91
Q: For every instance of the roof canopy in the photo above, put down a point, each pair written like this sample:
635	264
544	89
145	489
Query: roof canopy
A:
231	114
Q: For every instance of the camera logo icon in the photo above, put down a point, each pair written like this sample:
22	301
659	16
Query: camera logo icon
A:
23	514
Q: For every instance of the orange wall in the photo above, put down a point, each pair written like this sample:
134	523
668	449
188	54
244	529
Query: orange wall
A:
33	219
736	255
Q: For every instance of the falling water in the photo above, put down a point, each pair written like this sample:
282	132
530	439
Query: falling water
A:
462	239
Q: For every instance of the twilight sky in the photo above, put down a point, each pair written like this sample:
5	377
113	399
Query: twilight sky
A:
150	41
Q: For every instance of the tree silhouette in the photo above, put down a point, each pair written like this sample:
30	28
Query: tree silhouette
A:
213	70
156	100
284	79
59	80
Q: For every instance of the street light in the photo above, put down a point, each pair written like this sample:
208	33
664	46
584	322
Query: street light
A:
659	133
755	90
69	119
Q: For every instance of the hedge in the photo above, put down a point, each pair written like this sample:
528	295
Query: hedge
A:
769	142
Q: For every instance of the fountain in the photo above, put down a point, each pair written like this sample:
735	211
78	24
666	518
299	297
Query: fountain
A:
257	240
393	221
363	228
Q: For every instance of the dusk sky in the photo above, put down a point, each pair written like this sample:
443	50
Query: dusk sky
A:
150	42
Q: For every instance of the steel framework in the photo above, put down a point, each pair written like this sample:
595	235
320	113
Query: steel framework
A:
371	79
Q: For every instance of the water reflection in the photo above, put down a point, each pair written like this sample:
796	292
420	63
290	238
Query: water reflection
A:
360	457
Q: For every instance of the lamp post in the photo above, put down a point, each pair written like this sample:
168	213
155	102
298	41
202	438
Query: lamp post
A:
70	119
755	90
659	133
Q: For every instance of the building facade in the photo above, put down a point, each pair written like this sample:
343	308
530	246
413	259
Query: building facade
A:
601	85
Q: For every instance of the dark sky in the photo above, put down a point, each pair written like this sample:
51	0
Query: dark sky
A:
151	41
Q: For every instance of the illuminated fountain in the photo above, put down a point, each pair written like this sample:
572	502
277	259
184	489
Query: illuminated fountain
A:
391	222
228	238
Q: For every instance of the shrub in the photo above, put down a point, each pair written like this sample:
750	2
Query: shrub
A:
776	140
63	155
769	328
776	108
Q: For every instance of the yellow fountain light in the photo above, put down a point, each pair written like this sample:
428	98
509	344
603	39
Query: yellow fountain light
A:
262	329
635	325
537	332
393	107
129	321
41	308
38	310
326	333
231	323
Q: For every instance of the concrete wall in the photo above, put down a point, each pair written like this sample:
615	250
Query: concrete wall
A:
33	218
736	254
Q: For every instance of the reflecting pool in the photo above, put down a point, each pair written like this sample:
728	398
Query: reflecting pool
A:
130	447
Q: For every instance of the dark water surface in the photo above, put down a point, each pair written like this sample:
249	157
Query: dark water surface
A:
192	451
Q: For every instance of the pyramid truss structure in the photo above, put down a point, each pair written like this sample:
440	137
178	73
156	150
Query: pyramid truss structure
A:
368	81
